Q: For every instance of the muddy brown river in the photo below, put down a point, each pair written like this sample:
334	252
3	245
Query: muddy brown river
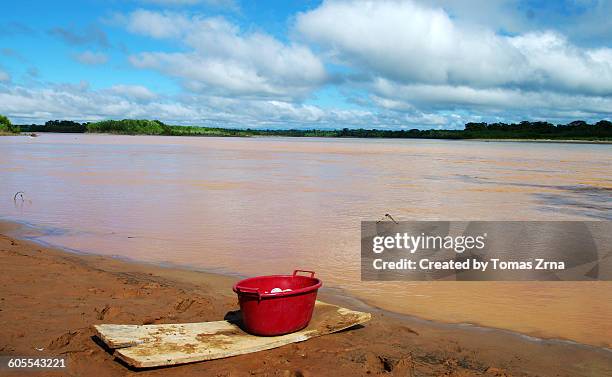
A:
252	206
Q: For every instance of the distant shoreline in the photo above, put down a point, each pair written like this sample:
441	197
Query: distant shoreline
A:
560	141
576	131
515	140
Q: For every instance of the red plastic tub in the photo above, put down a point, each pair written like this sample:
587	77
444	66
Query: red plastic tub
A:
268	314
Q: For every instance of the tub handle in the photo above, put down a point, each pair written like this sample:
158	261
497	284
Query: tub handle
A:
250	290
307	271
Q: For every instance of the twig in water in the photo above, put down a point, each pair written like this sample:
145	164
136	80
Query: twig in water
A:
20	194
387	216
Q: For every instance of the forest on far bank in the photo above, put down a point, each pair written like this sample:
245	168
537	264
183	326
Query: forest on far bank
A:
576	130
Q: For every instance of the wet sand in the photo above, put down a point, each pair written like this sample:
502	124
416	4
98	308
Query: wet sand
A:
50	298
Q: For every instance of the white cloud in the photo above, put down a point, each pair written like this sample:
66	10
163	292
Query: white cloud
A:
400	64
400	106
226	61
512	102
409	43
79	102
137	92
496	14
157	25
91	58
583	21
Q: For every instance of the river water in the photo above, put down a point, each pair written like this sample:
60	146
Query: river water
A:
253	206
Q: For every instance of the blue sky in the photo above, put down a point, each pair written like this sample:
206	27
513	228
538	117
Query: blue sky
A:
307	64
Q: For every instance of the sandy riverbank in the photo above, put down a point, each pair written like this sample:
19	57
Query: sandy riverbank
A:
50	298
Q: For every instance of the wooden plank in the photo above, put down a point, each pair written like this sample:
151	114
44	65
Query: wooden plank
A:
120	336
144	346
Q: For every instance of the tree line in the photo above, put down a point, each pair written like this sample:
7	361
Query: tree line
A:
6	127
577	130
540	130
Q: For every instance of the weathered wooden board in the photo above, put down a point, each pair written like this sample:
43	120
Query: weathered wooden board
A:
144	346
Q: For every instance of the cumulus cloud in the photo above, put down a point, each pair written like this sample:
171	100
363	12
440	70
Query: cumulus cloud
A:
79	102
445	97
394	64
583	21
156	24
553	63
138	92
223	60
91	58
414	57
411	43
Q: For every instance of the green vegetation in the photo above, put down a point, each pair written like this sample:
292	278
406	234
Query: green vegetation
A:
63	126
6	127
131	127
577	130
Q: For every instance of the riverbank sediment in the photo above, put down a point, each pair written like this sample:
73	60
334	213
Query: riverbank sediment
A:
50	298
